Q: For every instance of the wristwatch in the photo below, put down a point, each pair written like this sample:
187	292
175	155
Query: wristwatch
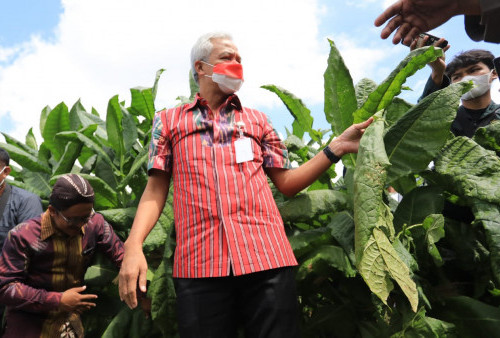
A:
330	155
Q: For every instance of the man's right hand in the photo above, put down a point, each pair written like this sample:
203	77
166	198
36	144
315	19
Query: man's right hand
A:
73	300
408	18
133	270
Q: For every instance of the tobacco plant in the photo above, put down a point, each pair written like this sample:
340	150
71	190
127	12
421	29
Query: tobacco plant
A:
369	266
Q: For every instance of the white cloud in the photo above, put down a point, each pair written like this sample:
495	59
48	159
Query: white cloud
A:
366	62
103	48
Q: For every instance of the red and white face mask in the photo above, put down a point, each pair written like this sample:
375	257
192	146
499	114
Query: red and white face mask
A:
228	75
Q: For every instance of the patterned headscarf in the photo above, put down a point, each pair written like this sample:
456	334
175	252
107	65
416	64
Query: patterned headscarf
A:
69	190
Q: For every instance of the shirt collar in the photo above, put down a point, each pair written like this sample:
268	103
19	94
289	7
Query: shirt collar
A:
200	102
48	229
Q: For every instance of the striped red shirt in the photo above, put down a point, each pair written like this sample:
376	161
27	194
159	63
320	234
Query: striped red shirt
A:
225	214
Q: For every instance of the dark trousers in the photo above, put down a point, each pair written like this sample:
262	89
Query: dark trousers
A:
263	303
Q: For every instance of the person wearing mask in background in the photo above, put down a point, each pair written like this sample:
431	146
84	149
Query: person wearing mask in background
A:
477	108
44	260
409	18
16	204
233	264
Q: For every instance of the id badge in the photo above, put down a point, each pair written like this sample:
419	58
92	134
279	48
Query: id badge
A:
243	149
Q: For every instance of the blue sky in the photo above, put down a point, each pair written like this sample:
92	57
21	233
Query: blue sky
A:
55	51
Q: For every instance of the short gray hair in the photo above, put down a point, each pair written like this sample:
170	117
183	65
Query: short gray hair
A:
202	49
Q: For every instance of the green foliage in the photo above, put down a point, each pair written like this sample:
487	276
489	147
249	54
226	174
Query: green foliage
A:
369	266
413	260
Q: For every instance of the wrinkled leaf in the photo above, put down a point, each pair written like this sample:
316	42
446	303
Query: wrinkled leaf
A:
369	184
380	263
470	170
363	89
309	204
407	149
489	137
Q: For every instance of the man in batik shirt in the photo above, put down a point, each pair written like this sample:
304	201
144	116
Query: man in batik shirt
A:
233	262
44	261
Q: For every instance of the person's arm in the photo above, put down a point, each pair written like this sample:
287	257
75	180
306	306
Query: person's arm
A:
107	241
134	265
487	26
408	18
29	207
13	291
291	181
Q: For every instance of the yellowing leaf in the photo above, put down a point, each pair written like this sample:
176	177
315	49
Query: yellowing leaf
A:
380	263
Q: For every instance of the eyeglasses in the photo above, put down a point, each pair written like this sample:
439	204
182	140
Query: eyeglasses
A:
77	220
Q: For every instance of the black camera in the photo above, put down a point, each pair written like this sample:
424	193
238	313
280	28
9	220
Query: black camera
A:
431	39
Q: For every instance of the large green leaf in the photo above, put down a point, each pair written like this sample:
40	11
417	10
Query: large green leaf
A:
369	184
81	119
100	274
12	141
470	170
302	115
28	161
489	137
38	183
340	96
342	229
391	86
322	259
142	102
305	241
396	110
120	219
140	162
88	142
114	127
309	204
57	121
409	151
488	215
43	118
72	152
31	140
156	239
377	260
129	131
417	205
74	120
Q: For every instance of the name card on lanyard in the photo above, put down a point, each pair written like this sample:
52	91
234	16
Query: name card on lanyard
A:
243	146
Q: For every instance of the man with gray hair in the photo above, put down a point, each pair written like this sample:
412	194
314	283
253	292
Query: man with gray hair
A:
233	264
